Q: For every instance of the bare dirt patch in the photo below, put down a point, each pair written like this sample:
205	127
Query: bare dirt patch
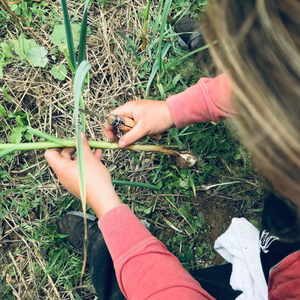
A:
218	215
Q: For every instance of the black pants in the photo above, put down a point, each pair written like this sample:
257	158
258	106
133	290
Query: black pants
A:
215	280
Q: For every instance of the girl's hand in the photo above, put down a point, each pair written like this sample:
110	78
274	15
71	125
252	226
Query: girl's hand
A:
100	194
151	117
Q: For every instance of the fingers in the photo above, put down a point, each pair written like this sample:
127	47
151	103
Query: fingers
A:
132	136
54	158
68	153
86	148
98	154
125	110
110	132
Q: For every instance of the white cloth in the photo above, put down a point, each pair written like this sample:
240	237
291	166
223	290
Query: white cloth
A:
240	246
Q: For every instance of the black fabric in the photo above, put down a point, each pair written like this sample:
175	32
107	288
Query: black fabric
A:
188	30
101	267
278	219
215	280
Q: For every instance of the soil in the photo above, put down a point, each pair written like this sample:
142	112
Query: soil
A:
217	216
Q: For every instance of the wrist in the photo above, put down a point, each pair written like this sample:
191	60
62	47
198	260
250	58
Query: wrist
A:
167	116
104	201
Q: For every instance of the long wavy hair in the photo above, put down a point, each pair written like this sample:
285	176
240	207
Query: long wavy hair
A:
257	42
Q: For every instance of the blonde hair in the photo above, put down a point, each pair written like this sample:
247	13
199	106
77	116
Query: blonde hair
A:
258	46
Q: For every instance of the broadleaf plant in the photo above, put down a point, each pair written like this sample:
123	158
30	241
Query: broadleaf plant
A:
30	51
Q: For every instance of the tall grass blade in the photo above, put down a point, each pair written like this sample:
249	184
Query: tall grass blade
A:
136	184
155	27
131	44
155	67
69	33
144	30
80	74
161	53
162	31
83	34
175	62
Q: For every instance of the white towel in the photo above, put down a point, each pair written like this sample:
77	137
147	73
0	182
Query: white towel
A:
239	245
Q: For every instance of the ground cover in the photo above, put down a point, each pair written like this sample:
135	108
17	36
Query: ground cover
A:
191	208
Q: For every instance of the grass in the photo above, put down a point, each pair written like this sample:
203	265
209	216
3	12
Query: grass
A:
34	261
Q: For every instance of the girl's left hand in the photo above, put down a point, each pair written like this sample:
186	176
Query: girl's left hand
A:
100	193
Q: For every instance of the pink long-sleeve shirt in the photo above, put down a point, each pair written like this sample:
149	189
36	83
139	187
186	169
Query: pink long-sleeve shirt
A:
145	269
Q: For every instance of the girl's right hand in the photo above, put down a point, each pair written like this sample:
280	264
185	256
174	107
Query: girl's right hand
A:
151	117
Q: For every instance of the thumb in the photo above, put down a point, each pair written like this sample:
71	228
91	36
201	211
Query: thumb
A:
135	134
54	159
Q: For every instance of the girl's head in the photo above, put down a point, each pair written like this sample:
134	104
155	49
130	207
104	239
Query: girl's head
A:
258	46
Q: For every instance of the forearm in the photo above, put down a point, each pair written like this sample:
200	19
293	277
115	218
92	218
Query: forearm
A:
208	100
145	268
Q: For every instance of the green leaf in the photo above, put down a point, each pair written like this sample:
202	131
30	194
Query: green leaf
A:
163	26
16	135
6	50
4	91
155	67
83	33
200	221
184	183
59	39
44	135
2	111
80	74
37	57
59	72
62	236
199	251
5	57
184	209
19	120
68	32
15	8
146	210
30	51
28	136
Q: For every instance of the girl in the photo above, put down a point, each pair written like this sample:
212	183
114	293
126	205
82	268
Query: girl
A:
257	51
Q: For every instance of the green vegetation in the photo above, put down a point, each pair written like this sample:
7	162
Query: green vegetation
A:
184	208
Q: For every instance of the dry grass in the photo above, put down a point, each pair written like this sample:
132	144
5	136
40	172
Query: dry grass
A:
49	105
36	200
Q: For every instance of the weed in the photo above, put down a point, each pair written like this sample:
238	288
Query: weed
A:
6	56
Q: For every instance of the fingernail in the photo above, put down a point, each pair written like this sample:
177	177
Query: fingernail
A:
82	135
122	144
